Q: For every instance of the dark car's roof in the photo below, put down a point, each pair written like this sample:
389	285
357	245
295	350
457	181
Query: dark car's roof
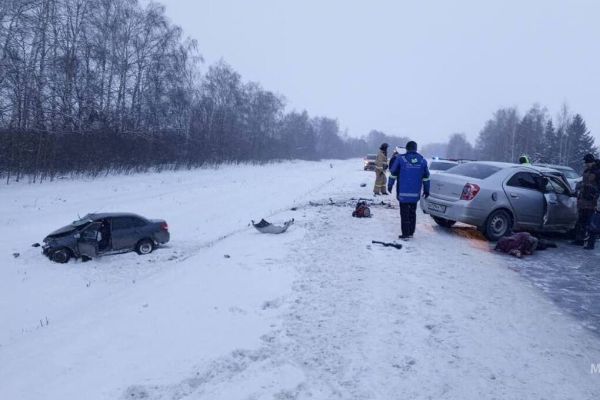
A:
112	215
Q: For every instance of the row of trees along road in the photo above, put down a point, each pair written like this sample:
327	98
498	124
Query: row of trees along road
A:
563	140
92	86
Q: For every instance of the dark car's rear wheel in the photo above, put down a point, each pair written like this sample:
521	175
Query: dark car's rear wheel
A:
446	223
497	225
61	256
144	246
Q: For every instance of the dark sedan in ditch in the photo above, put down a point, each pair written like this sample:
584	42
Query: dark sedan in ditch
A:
103	234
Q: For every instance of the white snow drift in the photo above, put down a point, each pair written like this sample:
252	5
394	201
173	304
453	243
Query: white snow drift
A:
317	312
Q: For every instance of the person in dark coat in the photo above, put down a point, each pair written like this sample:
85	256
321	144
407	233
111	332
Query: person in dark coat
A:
394	156
412	173
522	244
587	202
518	244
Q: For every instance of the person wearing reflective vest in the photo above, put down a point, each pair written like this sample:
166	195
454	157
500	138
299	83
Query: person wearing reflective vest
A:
412	173
381	165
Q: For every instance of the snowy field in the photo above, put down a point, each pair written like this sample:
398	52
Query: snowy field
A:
318	312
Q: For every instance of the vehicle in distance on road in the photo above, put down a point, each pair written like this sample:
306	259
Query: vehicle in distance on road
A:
439	164
569	173
499	197
103	234
369	162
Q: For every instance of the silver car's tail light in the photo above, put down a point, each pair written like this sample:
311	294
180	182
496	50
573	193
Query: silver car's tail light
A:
469	191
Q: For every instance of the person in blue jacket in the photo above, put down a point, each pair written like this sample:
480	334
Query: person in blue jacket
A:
412	173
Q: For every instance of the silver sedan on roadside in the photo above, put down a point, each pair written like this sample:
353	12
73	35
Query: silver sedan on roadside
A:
500	197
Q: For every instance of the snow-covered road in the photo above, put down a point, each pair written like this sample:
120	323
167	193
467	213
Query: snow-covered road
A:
317	313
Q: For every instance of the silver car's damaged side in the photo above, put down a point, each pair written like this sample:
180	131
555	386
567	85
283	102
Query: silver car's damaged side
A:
499	197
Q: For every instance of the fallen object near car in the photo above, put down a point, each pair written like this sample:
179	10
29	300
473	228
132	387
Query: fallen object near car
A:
522	244
384	244
362	210
351	203
266	227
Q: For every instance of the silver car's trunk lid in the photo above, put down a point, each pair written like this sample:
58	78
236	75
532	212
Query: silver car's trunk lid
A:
449	186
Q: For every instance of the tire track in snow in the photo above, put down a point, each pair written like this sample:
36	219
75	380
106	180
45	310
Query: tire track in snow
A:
194	250
365	323
320	343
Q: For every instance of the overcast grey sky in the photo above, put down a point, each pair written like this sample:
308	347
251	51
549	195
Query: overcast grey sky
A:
423	69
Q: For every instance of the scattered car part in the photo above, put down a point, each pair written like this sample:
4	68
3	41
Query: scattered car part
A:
266	227
362	210
384	244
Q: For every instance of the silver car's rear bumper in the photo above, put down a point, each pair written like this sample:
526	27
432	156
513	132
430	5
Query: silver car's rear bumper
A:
461	211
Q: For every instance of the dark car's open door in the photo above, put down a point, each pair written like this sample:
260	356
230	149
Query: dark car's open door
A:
87	244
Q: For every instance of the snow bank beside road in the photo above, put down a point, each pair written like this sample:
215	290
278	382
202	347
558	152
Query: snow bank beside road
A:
316	313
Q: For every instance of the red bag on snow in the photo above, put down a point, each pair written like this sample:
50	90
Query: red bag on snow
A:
362	210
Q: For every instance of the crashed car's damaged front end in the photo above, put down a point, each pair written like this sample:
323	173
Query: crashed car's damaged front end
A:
60	247
61	244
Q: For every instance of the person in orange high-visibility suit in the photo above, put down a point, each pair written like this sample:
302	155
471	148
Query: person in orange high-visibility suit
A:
381	165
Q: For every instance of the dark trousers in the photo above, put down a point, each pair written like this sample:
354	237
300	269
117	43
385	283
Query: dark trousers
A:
408	218
583	221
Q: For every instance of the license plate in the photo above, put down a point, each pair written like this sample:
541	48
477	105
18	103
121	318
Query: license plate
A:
437	207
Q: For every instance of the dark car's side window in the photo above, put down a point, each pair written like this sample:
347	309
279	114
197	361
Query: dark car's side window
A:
91	231
525	180
120	223
137	222
127	223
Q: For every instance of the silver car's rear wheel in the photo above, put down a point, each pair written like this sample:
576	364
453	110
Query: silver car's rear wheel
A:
498	224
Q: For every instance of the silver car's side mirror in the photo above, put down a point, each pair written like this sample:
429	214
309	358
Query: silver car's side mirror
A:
77	235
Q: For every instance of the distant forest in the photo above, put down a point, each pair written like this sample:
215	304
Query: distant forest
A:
94	86
563	140
99	86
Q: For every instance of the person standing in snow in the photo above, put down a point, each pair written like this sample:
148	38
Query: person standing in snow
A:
412	173
394	156
587	202
381	165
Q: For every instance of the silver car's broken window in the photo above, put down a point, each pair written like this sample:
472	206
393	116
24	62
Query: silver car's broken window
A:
556	185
